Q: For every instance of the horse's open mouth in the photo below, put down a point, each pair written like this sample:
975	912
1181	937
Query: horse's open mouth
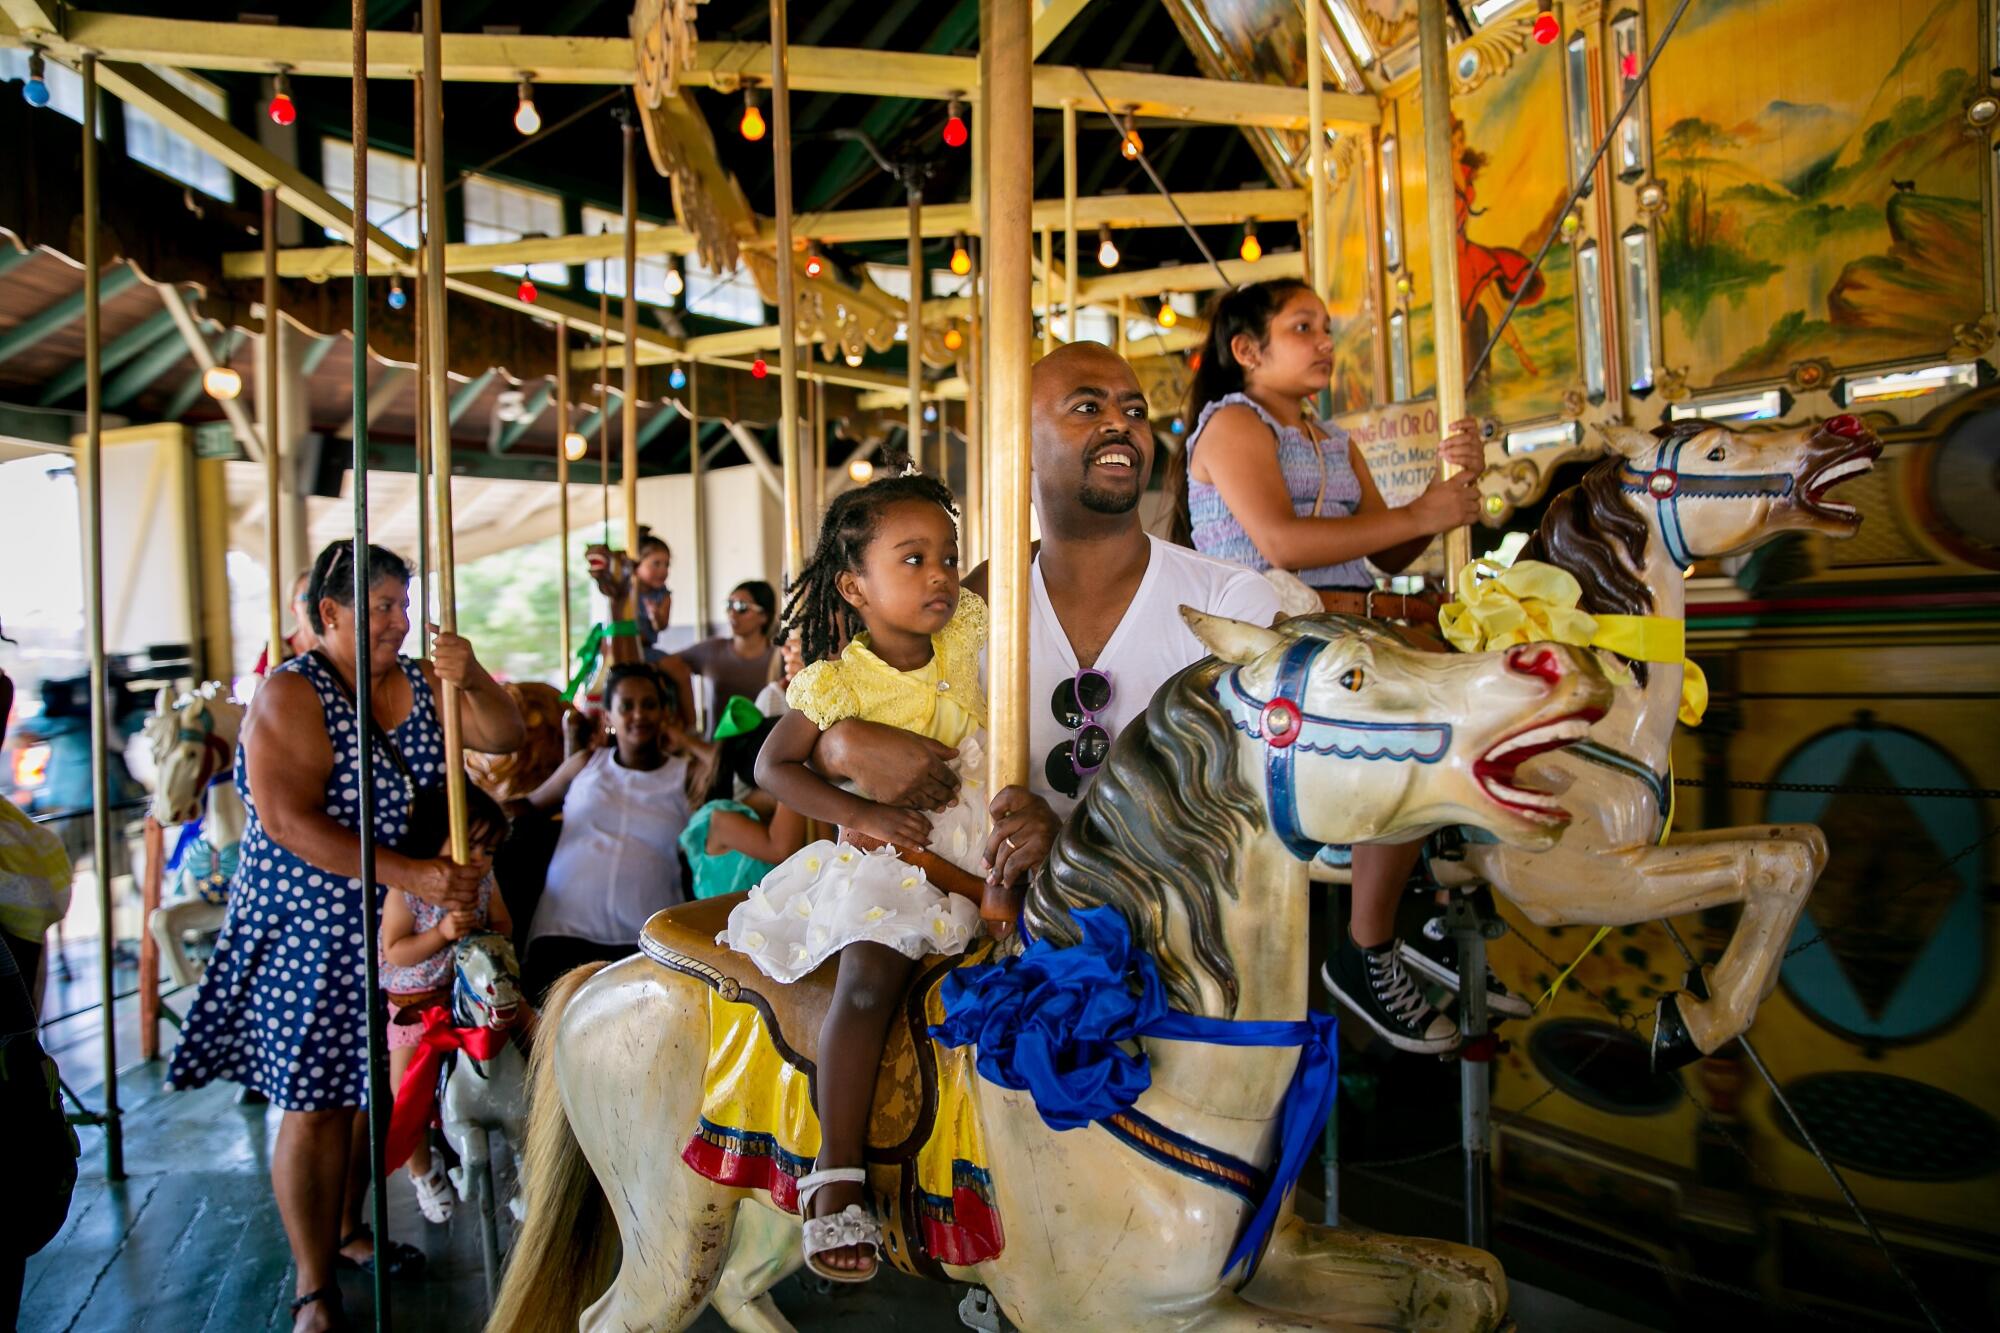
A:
1495	769
1845	466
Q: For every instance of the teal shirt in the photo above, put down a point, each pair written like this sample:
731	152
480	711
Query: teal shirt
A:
730	872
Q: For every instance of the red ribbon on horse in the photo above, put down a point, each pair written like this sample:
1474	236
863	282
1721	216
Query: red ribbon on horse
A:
416	1096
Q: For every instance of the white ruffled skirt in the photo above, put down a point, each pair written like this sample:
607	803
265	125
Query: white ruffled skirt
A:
828	895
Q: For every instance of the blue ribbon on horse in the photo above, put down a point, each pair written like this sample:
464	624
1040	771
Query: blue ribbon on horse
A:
1050	1021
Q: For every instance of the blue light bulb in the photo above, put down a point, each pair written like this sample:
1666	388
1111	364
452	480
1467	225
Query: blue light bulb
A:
677	378
35	92
1177	426
398	298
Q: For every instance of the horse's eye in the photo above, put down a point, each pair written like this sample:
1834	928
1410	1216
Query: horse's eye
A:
1351	679
1716	454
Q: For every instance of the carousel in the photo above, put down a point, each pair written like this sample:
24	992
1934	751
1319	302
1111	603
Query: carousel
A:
1699	747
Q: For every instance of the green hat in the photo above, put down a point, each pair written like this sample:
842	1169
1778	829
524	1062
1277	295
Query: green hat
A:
739	717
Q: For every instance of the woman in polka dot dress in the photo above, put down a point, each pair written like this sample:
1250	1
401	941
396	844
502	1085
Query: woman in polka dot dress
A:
282	1008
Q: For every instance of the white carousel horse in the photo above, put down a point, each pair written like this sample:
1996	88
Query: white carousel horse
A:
480	1097
1319	730
194	752
1628	532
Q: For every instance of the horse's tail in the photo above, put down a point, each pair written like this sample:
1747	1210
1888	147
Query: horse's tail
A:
564	1253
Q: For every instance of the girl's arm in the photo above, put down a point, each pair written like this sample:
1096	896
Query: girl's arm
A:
782	771
772	842
403	945
549	796
1462	449
1241	458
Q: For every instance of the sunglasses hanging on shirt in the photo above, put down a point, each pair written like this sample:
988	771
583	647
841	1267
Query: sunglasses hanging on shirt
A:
1076	703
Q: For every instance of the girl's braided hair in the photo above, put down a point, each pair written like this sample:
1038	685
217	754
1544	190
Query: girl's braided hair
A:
816	611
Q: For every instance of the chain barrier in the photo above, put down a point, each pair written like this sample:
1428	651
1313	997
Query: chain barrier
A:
1875	902
1844	789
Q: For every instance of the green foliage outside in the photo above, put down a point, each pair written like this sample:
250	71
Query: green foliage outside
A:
508	606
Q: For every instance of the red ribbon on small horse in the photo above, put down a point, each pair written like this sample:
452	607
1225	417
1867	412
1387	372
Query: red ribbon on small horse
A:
416	1096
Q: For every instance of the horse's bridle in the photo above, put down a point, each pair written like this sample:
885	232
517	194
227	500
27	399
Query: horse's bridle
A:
1666	485
1286	728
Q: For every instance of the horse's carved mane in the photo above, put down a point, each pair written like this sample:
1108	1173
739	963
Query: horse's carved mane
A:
1592	531
1157	827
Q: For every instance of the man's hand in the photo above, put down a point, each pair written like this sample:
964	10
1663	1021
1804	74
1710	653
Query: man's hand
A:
1024	829
893	766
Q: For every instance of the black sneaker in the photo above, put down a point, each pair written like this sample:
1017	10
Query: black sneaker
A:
1436	961
1373	984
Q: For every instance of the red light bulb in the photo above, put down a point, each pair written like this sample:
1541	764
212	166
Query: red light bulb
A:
814	266
955	133
526	291
1628	66
758	370
282	110
1547	29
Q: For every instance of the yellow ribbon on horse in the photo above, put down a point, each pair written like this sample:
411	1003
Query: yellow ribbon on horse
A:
1532	602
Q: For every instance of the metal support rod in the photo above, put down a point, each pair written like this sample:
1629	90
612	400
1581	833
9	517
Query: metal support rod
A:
562	482
1005	58
376	1001
1048	291
913	324
1318	267
440	406
1475	1088
1123	315
93	549
273	433
788	310
1069	219
1446	334
697	474
974	508
420	302
817	460
604	392
628	409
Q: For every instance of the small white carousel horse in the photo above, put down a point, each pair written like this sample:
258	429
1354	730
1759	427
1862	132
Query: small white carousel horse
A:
1627	533
1320	730
478	1096
194	753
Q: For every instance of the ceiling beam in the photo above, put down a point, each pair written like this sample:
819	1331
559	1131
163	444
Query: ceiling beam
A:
205	359
1107	289
155	327
1122	212
63	313
489	58
1051	17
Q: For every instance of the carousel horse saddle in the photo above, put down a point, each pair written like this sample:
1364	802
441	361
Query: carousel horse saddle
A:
926	1156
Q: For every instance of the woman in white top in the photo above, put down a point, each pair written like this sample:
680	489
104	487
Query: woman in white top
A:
624	806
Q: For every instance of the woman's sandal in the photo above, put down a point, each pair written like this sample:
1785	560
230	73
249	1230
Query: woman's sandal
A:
329	1295
852	1225
404	1260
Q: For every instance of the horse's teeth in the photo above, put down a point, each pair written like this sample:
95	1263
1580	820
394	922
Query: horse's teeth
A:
1850	468
1570	728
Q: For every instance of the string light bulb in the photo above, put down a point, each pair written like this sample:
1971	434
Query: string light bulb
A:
398	298
961	257
526	119
752	125
526	291
930	412
574	445
815	264
282	110
677	378
1168	315
955	133
35	92
675	284
1546	28
1252	249
221	383
852	359
759	369
953	339
1107	253
1129	143
861	472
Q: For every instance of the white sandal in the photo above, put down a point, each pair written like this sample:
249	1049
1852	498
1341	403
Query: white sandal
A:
852	1225
434	1196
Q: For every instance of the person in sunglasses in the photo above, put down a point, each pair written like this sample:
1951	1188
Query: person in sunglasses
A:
884	583
737	663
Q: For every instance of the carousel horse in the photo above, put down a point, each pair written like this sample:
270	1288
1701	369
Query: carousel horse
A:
1318	730
510	777
1627	533
481	1096
194	749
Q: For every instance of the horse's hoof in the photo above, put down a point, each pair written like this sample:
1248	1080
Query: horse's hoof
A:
1673	1048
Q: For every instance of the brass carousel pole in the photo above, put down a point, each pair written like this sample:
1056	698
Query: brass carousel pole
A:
93	550
913	323
604	391
562	481
628	410
1005	58
1124	313
698	475
1438	188
377	1015
440	407
1316	151
420	406
974	364
1048	292
788	312
1069	219
818	458
273	555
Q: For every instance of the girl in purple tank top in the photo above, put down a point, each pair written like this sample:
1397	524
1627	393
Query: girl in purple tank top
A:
1268	485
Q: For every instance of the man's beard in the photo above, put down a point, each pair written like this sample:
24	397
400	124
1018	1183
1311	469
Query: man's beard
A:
1100	501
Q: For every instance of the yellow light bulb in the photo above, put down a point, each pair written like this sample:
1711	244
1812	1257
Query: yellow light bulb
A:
1168	315
526	119
1107	252
1252	250
221	383
575	446
953	339
961	257
860	471
752	125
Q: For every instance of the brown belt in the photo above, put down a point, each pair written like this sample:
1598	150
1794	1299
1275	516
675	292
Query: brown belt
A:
1411	608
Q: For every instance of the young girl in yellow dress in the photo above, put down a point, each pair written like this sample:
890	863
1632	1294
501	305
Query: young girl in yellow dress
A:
883	582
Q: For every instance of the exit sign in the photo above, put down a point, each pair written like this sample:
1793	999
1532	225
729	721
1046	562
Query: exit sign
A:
217	439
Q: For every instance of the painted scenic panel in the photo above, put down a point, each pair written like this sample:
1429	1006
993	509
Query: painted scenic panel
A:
1353	328
1822	202
1511	175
